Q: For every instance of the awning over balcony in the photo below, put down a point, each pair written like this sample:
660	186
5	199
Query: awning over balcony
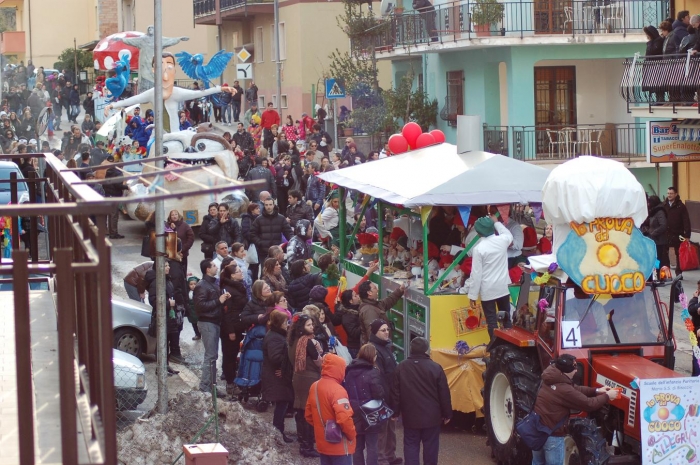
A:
689	130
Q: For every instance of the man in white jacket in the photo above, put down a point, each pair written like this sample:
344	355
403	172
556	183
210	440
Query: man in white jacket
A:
489	278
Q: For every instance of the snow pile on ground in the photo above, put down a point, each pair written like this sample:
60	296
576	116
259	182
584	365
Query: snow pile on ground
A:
247	437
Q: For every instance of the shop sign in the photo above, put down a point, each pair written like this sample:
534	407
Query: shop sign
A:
664	143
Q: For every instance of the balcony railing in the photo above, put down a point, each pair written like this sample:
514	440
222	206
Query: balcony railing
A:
203	8
530	143
671	80
468	19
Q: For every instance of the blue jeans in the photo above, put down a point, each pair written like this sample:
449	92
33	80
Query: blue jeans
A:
371	441
74	111
210	339
412	439
236	110
226	116
336	459
132	292
551	454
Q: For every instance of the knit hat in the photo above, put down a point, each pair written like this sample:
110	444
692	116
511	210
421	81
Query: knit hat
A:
403	242
376	324
318	293
484	226
566	363
419	345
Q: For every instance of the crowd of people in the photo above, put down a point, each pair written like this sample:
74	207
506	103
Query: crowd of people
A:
310	327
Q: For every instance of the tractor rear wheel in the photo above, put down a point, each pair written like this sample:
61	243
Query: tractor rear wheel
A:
590	447
510	388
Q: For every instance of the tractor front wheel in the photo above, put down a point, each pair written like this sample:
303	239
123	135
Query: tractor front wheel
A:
510	389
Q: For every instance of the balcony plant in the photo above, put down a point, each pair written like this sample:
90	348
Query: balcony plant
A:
485	14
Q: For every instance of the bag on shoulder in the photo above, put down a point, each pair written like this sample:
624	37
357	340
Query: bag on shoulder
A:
533	433
252	255
331	430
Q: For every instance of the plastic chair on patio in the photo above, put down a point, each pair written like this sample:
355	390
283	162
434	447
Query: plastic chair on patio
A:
593	141
583	141
557	139
614	15
572	19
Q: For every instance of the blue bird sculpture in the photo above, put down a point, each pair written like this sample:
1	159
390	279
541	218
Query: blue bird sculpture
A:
117	84
193	65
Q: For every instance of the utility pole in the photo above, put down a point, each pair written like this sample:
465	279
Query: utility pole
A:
75	63
161	351
277	57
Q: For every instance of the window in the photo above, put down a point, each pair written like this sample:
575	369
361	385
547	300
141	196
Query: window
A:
274	101
283	44
273	43
261	101
454	101
284	101
259	52
234	39
555	95
420	81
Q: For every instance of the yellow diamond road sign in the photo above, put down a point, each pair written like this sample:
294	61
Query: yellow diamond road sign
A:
243	55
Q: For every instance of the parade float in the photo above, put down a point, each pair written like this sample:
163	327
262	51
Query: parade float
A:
413	184
596	297
209	155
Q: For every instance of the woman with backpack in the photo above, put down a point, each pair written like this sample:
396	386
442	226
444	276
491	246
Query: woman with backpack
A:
363	382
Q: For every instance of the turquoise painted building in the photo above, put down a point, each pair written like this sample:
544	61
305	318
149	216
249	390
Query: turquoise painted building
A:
543	78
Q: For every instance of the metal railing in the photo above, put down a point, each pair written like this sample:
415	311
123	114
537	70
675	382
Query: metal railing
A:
204	8
530	143
79	262
453	106
671	80
472	19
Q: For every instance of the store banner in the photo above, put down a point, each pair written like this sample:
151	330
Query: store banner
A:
671	141
669	420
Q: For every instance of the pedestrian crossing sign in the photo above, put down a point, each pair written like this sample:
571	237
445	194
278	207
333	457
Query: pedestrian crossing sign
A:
334	89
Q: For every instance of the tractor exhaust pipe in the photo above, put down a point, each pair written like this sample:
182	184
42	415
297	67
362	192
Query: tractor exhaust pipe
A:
676	290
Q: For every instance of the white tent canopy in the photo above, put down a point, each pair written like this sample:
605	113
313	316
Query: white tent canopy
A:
438	175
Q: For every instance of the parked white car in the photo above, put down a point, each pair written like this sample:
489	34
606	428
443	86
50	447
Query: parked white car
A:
130	387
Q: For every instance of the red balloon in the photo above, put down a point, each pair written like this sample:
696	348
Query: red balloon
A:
398	144
411	131
424	140
438	135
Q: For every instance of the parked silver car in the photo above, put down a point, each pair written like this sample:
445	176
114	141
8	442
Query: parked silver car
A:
130	387
130	320
7	167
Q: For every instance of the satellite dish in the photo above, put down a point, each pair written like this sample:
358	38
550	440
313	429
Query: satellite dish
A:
386	7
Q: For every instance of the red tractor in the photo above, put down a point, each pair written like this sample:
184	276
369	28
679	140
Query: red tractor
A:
619	338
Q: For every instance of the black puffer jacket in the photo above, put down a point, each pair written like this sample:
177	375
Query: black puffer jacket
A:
253	308
261	173
267	230
298	290
206	300
228	232
275	357
363	382
233	307
350	317
386	360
